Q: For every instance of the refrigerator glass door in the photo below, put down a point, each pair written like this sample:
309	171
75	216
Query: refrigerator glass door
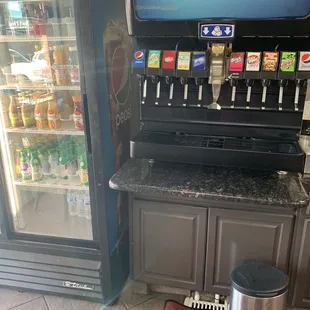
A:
42	136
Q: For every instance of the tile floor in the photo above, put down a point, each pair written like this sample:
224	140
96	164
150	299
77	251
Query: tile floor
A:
13	300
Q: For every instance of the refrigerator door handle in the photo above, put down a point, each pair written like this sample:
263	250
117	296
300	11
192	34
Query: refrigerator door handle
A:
87	126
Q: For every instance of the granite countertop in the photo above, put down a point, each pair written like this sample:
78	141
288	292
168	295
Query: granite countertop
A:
212	183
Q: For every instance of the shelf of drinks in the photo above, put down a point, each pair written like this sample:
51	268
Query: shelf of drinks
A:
55	184
39	87
31	38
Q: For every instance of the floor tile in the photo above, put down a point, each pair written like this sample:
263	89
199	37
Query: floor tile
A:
158	302
37	304
13	298
60	303
131	300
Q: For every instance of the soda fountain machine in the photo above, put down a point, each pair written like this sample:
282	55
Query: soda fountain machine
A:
219	85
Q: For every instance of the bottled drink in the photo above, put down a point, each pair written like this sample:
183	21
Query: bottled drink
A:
24	166
14	112
83	169
27	115
36	171
46	168
77	113
80	204
53	114
61	57
17	162
87	206
71	199
40	112
53	161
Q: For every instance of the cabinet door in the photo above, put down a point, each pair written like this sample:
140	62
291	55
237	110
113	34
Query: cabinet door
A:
302	287
234	236
169	244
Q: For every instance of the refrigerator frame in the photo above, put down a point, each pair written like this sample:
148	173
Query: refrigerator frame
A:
98	248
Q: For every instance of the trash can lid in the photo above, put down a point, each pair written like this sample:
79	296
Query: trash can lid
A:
259	280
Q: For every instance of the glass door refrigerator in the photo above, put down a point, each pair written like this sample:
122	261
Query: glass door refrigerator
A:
57	228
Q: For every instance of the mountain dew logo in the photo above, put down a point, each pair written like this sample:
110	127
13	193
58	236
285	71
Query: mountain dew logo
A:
288	62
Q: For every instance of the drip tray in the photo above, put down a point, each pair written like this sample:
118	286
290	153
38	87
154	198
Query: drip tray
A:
250	153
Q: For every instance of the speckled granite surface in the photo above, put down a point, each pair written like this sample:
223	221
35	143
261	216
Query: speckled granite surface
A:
212	183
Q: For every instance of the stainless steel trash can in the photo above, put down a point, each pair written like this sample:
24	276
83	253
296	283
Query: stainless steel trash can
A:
258	287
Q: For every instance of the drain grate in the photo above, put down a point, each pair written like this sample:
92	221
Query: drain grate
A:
204	305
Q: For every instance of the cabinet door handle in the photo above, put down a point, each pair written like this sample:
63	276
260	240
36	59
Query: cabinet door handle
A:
87	126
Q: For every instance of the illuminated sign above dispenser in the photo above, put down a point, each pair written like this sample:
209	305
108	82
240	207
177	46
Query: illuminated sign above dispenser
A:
216	31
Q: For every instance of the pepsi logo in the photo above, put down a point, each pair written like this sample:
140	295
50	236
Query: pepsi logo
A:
139	55
305	59
168	59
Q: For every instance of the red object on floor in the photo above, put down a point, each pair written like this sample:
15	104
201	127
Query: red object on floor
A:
173	305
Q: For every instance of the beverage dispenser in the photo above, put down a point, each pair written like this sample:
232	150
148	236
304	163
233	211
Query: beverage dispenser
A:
221	83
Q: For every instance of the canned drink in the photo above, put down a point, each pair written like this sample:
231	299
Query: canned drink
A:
199	61
236	62
184	61
304	61
154	59
253	61
270	61
288	62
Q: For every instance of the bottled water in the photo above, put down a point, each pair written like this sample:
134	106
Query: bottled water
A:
87	206
80	204
73	210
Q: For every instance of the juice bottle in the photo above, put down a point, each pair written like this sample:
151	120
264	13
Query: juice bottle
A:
5	103
83	169
77	113
14	112
35	166
61	58
24	166
27	115
53	114
40	112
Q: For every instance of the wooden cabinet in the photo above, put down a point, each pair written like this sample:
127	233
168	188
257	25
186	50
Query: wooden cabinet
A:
234	236
302	281
168	244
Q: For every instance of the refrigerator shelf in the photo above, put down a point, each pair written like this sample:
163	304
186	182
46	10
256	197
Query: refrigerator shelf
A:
48	184
5	38
39	87
64	132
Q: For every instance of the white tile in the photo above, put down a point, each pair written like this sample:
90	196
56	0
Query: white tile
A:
37	304
158	302
13	298
60	303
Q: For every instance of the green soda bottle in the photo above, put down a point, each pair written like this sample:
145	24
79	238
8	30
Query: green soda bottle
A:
53	161
24	166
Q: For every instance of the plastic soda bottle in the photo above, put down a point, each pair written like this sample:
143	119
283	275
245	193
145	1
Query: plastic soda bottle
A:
87	206
35	166
80	204
71	199
24	166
